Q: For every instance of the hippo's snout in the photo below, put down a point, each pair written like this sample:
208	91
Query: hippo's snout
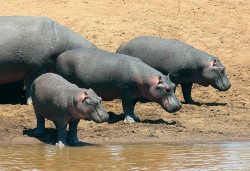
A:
101	116
172	105
222	84
174	108
226	86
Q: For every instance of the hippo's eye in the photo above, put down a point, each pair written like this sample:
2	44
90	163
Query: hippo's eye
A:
222	70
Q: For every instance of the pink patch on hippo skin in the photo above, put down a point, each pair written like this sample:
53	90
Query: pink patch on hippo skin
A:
82	97
156	80
212	63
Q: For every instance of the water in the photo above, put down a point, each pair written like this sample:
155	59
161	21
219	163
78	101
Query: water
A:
230	156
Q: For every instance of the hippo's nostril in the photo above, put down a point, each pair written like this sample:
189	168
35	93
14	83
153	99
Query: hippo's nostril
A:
167	89
222	71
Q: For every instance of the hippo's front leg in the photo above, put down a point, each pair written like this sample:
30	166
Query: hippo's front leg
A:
186	91
128	108
73	139
62	133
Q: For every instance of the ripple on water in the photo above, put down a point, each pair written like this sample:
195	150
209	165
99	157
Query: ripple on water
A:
231	156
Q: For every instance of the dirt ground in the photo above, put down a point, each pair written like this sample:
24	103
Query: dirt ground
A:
218	27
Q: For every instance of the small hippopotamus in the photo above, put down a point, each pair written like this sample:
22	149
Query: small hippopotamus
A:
185	64
30	45
64	103
117	76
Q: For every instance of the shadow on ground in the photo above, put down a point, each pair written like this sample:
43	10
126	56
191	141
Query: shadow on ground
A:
114	118
12	93
51	137
12	99
207	104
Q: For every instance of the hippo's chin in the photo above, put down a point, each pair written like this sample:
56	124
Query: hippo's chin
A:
99	118
223	88
171	107
221	85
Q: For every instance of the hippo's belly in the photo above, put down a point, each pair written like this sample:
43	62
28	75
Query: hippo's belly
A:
14	75
14	68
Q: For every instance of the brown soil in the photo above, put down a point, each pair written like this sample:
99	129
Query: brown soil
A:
219	27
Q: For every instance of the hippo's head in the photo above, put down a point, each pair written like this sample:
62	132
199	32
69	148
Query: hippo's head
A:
162	92
214	74
88	106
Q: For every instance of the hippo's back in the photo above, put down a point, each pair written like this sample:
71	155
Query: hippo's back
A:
51	83
26	37
160	53
50	92
30	43
96	64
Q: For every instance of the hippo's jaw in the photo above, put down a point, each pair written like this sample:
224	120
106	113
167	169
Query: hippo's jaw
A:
99	115
221	84
171	104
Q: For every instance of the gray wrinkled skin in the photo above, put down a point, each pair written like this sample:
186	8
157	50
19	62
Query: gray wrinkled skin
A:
29	47
185	64
116	76
64	103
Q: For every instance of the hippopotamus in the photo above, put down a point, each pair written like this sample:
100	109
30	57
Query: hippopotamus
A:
117	76
29	47
184	64
64	103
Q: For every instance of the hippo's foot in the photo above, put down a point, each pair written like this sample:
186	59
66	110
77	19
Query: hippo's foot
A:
29	101
129	119
39	133
60	144
73	141
192	102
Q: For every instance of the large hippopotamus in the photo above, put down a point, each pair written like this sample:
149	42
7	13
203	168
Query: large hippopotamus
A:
64	103
185	64
117	76
30	45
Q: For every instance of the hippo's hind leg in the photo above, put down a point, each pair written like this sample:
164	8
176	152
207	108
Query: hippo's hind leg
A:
40	129
186	91
73	139
128	105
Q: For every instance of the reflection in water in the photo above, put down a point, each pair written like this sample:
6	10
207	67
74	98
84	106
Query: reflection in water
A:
231	156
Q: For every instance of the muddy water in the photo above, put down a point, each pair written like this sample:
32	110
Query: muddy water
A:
231	156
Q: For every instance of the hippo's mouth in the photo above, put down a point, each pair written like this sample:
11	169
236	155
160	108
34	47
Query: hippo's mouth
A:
220	85
97	117
170	105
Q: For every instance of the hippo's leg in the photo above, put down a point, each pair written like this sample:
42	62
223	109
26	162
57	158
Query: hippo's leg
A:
73	139
61	132
186	91
40	129
128	107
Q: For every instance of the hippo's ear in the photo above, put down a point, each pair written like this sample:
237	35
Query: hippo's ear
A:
160	80
85	97
82	97
214	63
